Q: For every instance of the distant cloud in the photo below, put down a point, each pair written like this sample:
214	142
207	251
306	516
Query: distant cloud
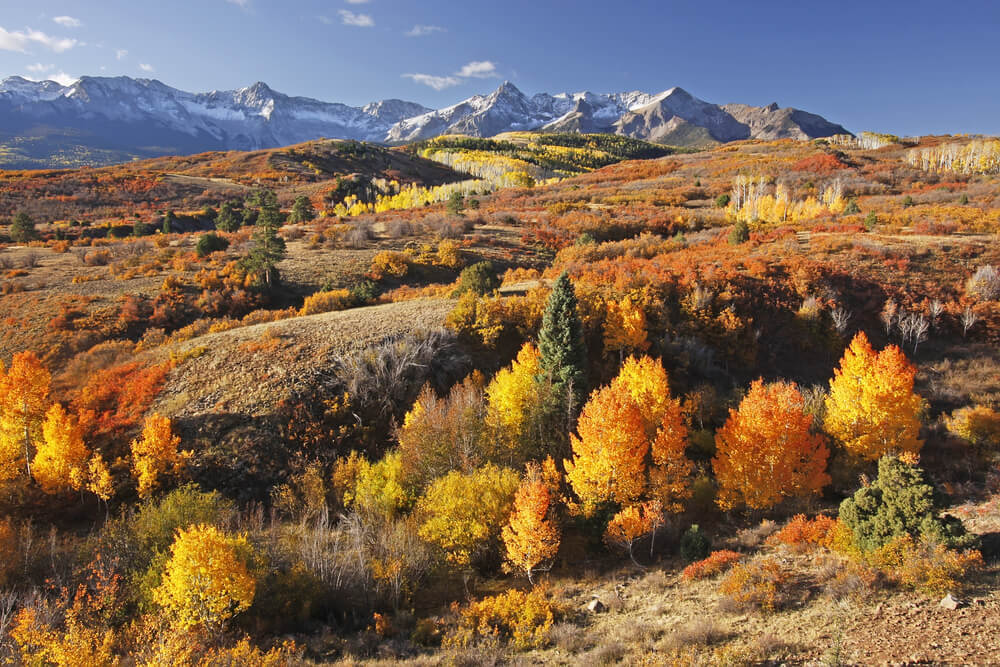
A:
68	21
39	68
325	20
478	69
242	4
20	41
359	20
435	82
146	68
357	2
121	53
424	30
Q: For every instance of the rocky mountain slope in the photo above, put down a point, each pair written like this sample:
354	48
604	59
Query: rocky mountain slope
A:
99	120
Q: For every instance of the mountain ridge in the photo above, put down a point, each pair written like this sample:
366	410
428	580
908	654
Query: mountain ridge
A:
121	118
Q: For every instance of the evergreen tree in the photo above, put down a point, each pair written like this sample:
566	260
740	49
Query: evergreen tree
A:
228	219
23	228
564	352
302	210
268	248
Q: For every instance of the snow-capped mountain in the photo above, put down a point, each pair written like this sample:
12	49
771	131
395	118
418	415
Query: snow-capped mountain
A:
144	117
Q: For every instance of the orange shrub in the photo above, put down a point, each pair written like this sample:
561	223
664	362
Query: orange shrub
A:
803	534
717	563
118	397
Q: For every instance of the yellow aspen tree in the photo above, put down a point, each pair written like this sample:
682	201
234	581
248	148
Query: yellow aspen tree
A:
155	454
61	460
644	380
766	452
24	393
531	536
609	451
512	396
625	327
871	409
99	480
206	580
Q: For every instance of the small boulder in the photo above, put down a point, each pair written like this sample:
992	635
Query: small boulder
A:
595	606
949	602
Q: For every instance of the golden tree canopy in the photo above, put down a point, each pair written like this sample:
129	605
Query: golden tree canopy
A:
765	452
871	409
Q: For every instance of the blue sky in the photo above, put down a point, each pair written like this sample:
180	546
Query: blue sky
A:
911	67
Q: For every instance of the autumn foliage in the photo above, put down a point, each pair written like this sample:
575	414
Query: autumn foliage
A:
531	536
766	451
872	409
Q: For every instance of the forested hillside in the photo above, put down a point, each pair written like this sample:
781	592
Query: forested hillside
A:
569	399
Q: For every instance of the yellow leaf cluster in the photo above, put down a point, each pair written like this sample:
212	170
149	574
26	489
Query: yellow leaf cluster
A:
60	463
871	409
155	453
206	581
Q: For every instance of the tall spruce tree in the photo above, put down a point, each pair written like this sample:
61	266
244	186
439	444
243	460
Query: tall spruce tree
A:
563	351
268	248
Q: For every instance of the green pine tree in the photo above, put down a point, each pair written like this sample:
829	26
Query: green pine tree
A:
563	351
23	228
302	211
268	248
228	219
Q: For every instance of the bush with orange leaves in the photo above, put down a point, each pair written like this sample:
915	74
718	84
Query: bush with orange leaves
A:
119	396
803	534
716	563
760	585
522	618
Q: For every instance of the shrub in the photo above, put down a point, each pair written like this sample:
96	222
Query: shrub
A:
899	502
870	221
757	585
156	523
325	302
209	243
522	618
389	263
448	255
694	545
852	208
717	563
928	567
722	201
480	278
740	233
804	534
984	284
979	425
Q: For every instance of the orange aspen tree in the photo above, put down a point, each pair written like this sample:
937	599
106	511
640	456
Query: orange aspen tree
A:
24	393
645	381
155	453
61	460
609	451
766	452
871	409
531	536
632	524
